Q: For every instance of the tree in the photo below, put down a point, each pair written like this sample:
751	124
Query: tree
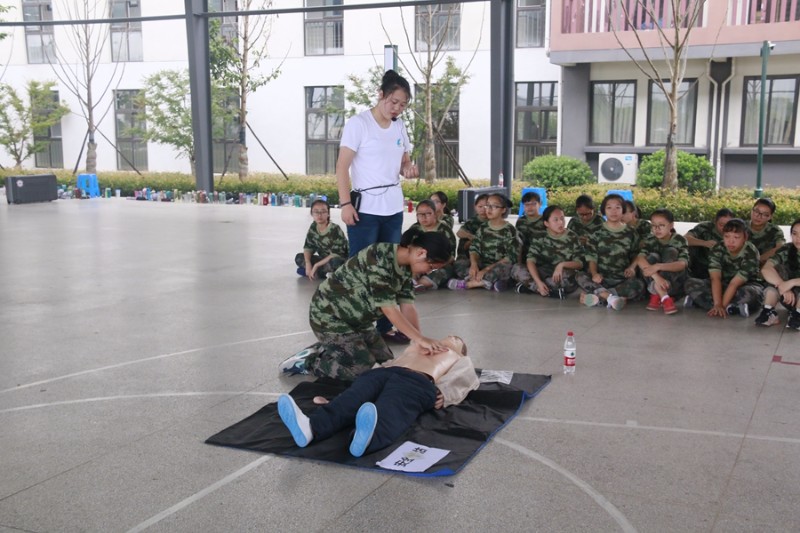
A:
235	56
4	9
673	24
21	121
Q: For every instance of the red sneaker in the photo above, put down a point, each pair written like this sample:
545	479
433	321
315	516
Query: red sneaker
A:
655	303
669	306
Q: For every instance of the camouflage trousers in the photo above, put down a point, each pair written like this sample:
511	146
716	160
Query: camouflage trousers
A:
784	274
501	272
630	288
346	355
676	280
330	266
440	276
520	274
699	290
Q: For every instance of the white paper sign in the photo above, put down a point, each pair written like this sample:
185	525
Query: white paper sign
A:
412	457
496	376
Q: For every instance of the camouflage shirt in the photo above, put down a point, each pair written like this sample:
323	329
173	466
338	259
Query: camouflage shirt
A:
447	218
643	229
492	244
781	257
766	239
472	225
444	229
351	298
653	245
548	250
745	265
331	242
526	228
704	231
612	249
584	230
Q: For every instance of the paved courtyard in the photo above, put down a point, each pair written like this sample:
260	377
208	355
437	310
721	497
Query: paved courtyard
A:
132	331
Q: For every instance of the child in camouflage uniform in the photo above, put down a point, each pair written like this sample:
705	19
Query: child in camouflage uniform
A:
782	274
466	233
735	287
702	238
633	218
611	255
325	248
766	236
426	221
587	221
439	199
663	260
529	223
376	282
493	251
552	259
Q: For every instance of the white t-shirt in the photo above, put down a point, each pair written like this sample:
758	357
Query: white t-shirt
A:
379	154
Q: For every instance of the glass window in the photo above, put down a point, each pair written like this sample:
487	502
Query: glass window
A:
658	114
531	19
324	30
126	37
781	109
225	141
536	124
39	39
438	26
613	112
324	123
130	125
52	156
228	27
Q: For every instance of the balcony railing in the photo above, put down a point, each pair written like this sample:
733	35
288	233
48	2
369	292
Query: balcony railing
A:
743	12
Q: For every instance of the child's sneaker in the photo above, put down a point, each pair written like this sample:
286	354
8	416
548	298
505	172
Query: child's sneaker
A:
616	302
457	284
688	302
523	288
655	303
556	293
301	271
767	318
669	306
794	320
499	285
296	364
590	300
741	309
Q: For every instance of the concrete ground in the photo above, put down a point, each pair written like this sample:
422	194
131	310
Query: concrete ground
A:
132	331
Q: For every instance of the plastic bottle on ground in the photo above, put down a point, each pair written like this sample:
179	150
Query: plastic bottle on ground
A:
569	353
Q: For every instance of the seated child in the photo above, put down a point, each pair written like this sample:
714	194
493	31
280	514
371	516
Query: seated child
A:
384	402
529	223
552	259
702	238
586	221
466	233
735	286
611	255
493	253
782	274
439	199
766	236
633	218
427	221
663	259
325	248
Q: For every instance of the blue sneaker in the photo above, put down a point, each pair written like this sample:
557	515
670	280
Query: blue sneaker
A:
366	420
301	271
296	364
295	421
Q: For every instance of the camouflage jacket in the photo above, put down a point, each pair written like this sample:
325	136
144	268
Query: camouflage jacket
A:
744	265
652	245
472	225
584	230
447	218
781	257
548	251
768	238
492	245
332	242
643	229
526	228
613	250
351	298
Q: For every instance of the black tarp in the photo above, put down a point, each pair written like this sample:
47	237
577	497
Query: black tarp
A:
463	429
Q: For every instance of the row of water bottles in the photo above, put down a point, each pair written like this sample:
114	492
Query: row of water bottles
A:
221	197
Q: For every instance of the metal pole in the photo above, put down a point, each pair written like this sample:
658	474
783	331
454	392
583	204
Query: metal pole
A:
502	91
762	117
200	82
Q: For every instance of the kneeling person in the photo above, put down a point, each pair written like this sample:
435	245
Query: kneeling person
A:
385	401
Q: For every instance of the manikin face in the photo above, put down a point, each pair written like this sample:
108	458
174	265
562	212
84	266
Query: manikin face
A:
426	217
532	208
614	211
734	242
557	223
392	105
661	227
454	343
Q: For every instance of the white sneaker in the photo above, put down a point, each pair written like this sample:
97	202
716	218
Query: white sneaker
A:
296	364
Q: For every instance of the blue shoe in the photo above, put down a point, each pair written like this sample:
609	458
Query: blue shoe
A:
366	420
295	421
301	271
296	364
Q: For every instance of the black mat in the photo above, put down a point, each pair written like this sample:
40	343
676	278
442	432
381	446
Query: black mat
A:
463	429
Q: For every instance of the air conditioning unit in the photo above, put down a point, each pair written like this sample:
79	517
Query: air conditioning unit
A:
618	168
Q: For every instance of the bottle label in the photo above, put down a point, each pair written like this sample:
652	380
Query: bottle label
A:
569	358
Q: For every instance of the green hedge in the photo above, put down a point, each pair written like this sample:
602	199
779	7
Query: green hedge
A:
686	206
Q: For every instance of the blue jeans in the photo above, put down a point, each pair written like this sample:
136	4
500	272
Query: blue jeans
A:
369	230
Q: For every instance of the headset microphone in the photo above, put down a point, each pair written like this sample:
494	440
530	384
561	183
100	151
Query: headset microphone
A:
394	119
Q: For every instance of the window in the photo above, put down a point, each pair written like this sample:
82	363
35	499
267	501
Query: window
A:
126	37
781	107
324	29
531	18
324	123
613	112
658	114
39	39
447	124
228	27
536	128
52	156
438	26
131	147
226	132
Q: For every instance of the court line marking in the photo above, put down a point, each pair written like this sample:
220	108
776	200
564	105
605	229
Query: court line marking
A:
199	495
590	491
147	359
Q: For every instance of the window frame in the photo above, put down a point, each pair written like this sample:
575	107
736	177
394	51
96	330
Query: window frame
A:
40	33
53	138
328	142
692	88
129	112
452	36
123	31
757	97
592	106
522	10
545	144
332	21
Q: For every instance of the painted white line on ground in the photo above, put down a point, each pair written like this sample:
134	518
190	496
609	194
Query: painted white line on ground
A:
152	358
606	505
199	495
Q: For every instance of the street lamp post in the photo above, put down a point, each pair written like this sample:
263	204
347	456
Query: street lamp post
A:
762	116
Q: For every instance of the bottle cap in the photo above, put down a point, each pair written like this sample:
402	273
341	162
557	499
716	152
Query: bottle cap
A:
570	334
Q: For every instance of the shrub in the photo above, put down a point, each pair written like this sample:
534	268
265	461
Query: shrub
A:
695	173
557	171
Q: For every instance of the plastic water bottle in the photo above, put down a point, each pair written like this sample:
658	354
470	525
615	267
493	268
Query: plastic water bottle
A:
500	180
569	353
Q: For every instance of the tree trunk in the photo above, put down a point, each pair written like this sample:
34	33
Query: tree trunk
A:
670	182
91	158
243	162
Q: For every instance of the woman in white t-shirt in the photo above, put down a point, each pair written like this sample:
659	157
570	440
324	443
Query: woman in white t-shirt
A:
373	153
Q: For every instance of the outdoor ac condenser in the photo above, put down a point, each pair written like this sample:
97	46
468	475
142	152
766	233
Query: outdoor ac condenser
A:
617	168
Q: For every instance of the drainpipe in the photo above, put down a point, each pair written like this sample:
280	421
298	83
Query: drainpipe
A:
719	81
